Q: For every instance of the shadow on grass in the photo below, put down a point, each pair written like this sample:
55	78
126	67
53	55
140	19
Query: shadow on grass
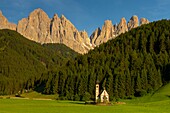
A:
77	102
168	96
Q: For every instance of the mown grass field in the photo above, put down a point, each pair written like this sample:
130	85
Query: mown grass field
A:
159	102
47	106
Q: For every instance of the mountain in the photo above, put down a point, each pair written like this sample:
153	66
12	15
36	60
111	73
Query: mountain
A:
110	31
40	28
4	24
134	64
22	62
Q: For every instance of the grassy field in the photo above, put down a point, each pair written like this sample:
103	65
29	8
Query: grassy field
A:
50	106
158	102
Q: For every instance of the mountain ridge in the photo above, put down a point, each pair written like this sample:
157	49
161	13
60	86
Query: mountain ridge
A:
40	28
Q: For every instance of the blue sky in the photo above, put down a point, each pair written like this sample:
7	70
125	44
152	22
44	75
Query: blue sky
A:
88	14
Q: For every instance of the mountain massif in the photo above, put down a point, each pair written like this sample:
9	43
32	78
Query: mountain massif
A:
134	64
40	28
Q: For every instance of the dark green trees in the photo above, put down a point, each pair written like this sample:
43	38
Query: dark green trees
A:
22	62
133	64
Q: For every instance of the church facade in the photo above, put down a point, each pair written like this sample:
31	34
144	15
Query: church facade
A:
101	96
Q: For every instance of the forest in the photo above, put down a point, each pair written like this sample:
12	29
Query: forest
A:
22	61
134	64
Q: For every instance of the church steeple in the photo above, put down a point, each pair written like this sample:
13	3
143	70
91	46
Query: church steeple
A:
97	90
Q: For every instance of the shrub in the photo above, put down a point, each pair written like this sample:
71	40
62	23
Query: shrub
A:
140	93
76	97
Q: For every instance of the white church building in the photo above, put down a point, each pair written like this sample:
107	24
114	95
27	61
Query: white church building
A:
103	96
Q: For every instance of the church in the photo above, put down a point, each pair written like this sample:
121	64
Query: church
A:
103	96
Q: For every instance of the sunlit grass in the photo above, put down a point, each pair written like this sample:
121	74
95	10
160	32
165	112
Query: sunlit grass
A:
158	102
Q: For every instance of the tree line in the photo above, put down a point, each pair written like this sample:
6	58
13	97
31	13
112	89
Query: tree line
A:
133	64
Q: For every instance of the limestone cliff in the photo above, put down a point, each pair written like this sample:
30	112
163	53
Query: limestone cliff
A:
4	24
40	28
103	35
36	27
144	21
110	31
122	27
133	23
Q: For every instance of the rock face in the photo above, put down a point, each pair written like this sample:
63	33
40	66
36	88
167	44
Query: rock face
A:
95	36
144	21
133	23
40	28
110	31
36	27
122	27
103	35
4	24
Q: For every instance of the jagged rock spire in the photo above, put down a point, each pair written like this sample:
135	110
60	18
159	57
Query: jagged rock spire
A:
40	28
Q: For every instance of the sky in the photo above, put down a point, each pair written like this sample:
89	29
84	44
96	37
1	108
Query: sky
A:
88	14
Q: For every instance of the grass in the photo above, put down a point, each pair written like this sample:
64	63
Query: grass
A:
158	102
36	95
51	106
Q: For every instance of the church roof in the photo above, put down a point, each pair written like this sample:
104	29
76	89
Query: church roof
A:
104	92
97	82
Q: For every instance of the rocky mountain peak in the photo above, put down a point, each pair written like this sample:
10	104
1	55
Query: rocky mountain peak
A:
133	23
55	16
63	17
122	27
107	23
101	36
36	27
40	28
94	36
144	21
4	24
110	31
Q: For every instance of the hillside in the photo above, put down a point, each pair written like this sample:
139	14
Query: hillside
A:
22	61
162	94
133	64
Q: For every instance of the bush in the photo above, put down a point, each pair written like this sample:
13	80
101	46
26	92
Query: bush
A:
87	96
62	98
7	97
140	93
56	96
118	99
129	97
76	97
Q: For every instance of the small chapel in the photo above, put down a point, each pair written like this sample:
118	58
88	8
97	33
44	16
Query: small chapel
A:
101	96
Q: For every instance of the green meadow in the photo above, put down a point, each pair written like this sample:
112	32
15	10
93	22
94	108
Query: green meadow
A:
157	102
47	106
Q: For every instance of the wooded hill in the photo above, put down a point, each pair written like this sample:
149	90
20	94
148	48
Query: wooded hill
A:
22	61
133	64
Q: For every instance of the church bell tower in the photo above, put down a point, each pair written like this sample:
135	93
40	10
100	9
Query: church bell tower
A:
97	91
